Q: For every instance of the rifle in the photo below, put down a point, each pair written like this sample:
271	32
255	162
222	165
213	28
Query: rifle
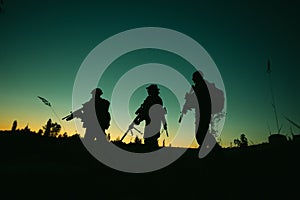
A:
131	126
165	125
138	119
72	115
185	107
167	133
68	117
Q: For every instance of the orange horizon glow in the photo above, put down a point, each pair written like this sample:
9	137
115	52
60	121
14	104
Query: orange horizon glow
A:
70	129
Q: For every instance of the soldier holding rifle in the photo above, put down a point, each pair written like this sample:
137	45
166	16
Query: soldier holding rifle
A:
199	99
96	106
153	113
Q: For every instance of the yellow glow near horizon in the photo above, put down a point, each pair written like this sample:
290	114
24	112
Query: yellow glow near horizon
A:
71	129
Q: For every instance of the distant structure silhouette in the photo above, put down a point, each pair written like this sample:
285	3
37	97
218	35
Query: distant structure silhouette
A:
153	112
95	106
272	96
276	138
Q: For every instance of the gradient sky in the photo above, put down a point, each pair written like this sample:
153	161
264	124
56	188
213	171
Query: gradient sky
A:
43	44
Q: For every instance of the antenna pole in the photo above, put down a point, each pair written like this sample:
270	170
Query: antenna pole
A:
58	118
272	96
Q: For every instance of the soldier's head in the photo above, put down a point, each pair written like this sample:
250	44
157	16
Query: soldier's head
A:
197	76
96	92
153	89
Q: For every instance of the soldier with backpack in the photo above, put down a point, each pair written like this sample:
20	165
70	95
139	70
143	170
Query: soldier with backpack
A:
153	113
93	113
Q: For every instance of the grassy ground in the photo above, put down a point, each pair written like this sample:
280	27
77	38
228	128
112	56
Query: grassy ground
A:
47	168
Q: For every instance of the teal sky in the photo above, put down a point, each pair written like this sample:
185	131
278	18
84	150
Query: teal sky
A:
43	44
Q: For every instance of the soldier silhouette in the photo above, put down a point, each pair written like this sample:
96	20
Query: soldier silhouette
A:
93	113
153	112
199	99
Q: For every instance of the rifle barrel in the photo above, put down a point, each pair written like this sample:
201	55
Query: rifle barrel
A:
125	134
180	118
65	117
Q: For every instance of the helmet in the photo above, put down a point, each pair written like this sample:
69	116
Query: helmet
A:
97	91
197	75
153	87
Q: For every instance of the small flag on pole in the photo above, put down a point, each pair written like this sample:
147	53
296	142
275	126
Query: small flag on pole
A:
45	101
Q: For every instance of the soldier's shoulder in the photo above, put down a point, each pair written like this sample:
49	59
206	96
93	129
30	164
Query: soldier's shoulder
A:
103	102
159	99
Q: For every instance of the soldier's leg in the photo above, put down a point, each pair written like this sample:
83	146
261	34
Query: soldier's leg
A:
89	135
201	133
152	142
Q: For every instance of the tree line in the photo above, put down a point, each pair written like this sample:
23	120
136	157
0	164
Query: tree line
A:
50	129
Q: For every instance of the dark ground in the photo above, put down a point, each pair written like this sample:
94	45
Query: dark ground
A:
48	168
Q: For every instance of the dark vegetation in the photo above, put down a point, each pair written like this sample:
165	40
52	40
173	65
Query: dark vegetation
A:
52	166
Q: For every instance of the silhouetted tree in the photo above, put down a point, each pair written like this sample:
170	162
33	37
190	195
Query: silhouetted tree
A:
40	132
137	140
14	126
76	135
242	142
51	129
55	129
26	129
47	128
237	142
117	139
